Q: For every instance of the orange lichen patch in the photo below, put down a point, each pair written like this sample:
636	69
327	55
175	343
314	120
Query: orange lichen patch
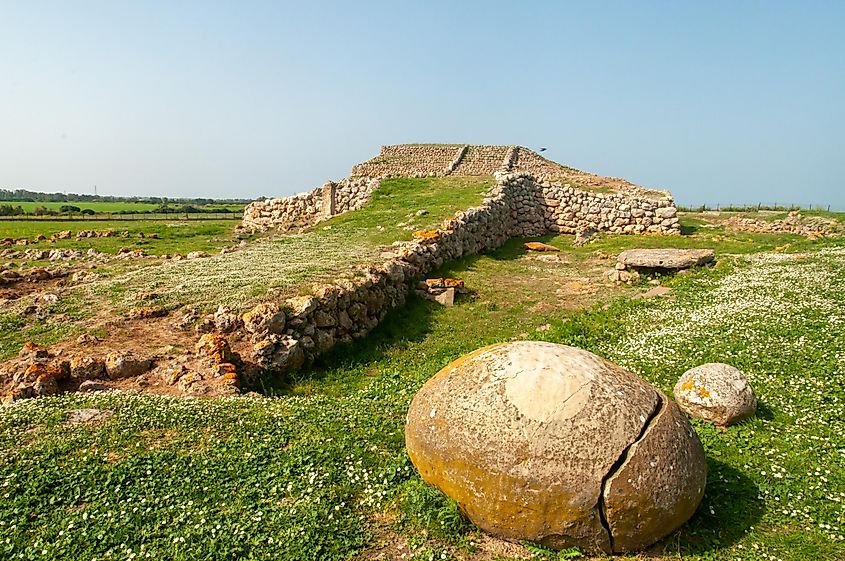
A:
232	378
539	246
440	282
30	347
215	347
45	372
427	235
690	385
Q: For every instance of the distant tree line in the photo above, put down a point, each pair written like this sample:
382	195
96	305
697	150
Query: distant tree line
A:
24	195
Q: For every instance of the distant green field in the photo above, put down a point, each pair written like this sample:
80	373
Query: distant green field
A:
176	236
114	206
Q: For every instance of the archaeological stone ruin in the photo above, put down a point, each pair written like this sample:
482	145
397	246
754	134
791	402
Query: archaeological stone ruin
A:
530	196
560	199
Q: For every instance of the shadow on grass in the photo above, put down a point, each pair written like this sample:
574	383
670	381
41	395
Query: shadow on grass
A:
349	363
730	508
688	229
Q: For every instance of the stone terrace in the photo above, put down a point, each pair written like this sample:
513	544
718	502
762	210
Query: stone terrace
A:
425	160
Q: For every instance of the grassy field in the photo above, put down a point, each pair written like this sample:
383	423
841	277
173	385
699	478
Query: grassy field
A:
176	236
111	207
282	264
319	470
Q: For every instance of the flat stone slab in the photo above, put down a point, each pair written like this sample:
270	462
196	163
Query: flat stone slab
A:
665	258
88	415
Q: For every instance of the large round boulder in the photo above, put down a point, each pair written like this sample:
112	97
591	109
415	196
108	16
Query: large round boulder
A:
552	444
717	393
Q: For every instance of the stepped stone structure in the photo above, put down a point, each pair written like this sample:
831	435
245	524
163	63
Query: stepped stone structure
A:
563	199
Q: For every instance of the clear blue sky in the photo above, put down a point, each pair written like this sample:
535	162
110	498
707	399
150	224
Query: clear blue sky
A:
717	101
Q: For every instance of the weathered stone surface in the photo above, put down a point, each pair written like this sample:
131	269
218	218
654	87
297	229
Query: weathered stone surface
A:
446	298
717	393
539	246
524	435
91	386
264	318
87	368
301	305
214	347
146	312
666	258
88	415
126	365
660	484
225	321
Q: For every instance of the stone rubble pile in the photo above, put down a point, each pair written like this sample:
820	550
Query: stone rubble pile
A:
67	235
795	223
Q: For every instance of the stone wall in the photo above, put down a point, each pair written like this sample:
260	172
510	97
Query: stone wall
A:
482	160
412	160
307	209
287	335
427	160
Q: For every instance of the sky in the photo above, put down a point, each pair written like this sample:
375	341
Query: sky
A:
720	102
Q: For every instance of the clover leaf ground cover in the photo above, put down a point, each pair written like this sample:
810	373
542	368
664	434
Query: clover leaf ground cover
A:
318	470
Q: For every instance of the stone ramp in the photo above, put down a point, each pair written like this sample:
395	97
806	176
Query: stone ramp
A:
482	160
411	160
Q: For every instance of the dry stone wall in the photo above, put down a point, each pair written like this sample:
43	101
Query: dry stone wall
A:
287	335
482	160
306	209
412	160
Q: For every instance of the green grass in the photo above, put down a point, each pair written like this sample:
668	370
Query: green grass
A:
284	265
287	263
111	207
176	236
302	475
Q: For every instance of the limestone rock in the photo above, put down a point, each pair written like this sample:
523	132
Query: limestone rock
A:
88	415
126	365
146	312
525	436
666	258
539	246
717	393
264	318
225	321
87	368
446	298
214	347
662	479
91	386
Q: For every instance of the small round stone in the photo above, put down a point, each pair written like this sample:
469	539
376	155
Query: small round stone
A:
555	445
717	393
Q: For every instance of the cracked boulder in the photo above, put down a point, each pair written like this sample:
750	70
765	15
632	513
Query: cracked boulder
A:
555	445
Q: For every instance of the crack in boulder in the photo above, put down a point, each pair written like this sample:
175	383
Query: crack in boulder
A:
619	463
